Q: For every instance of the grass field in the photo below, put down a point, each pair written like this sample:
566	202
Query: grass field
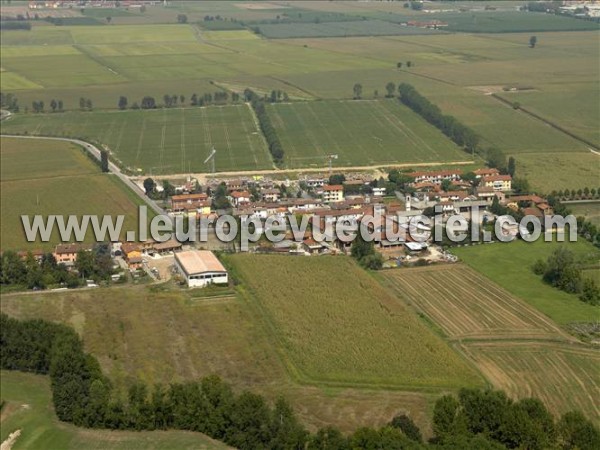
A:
468	306
589	210
509	265
29	408
360	132
565	377
556	171
193	336
338	326
339	29
162	141
49	177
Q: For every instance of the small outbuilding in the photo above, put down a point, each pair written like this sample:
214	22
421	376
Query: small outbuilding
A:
200	268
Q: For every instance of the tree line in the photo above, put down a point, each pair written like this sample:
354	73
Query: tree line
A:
9	102
459	133
264	121
82	395
17	272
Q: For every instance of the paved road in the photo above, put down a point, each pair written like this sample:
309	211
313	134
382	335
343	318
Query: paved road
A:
95	152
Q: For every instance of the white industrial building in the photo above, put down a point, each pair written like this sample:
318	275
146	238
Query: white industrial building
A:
200	268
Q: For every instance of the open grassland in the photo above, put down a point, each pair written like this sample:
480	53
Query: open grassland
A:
565	377
466	305
360	133
509	265
162	141
339	29
49	177
576	109
556	171
589	210
337	326
29	408
161	336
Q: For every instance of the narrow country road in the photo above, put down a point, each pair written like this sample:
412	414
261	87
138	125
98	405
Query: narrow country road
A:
113	168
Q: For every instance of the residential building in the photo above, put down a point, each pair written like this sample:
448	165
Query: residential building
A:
188	202
436	176
333	193
497	182
67	253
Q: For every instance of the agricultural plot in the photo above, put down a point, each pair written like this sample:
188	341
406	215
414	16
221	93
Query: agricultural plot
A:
589	210
49	177
337	326
565	377
547	172
467	305
339	29
195	336
509	265
29	408
360	132
164	140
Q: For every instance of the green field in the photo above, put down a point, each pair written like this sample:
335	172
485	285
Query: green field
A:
339	29
589	210
338	326
29	408
556	171
50	177
360	133
161	141
509	265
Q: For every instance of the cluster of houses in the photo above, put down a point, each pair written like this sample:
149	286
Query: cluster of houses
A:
56	4
327	205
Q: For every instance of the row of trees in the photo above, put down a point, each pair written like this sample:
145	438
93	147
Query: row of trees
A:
563	272
258	105
462	135
364	252
585	193
83	396
173	100
26	272
55	105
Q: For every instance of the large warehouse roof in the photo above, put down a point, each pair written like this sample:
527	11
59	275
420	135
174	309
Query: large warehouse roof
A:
198	261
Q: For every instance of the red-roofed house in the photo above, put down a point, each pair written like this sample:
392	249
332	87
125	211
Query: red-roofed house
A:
498	182
333	193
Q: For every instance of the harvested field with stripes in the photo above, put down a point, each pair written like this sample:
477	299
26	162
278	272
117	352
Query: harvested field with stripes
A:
563	376
516	347
466	305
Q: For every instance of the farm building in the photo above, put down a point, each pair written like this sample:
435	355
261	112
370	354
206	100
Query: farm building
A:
200	268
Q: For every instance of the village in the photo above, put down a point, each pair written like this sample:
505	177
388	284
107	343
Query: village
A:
338	198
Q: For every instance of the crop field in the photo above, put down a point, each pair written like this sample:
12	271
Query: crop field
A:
547	172
192	337
49	177
467	305
162	141
28	408
360	132
589	210
509	265
339	29
565	377
344	328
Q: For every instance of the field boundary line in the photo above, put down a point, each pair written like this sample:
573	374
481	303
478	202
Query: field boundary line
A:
546	121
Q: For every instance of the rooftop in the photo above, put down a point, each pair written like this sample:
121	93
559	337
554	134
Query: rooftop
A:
198	261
